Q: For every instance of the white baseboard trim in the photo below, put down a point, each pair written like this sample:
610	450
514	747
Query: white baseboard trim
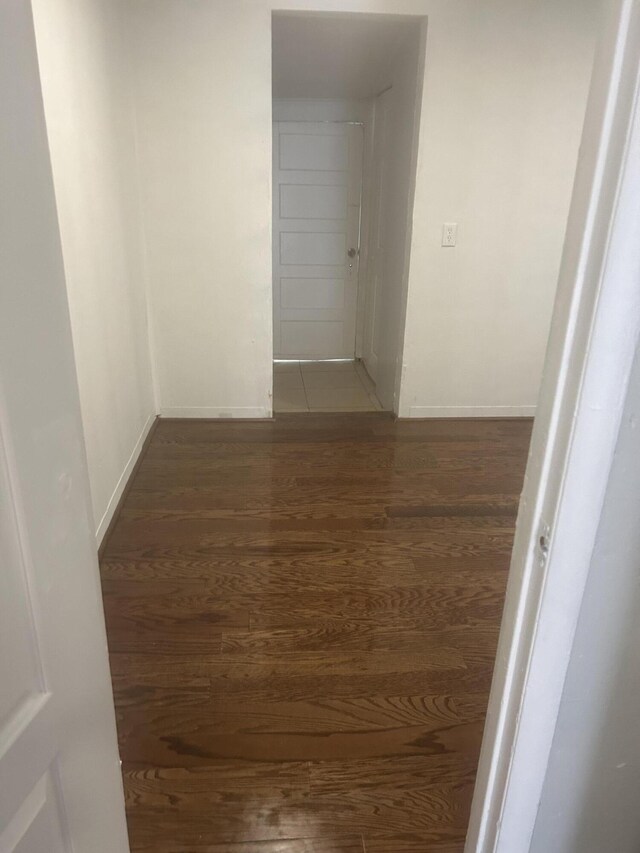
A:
470	412
112	506
231	412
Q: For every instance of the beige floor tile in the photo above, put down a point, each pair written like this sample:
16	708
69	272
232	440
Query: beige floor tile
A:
287	380
290	400
340	409
323	386
377	405
367	381
369	385
338	398
286	367
332	379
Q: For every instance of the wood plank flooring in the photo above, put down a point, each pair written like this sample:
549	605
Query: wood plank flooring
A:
302	620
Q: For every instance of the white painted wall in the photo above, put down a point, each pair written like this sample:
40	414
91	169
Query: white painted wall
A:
204	118
504	94
86	84
321	56
322	109
504	100
400	148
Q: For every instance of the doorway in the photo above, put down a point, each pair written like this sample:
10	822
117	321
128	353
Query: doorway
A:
345	117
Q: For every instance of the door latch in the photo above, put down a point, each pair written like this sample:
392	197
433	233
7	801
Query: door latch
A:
543	543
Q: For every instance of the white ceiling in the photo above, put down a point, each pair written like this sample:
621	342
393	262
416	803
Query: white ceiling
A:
324	56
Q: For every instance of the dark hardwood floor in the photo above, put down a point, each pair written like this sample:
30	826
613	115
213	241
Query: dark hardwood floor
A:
302	619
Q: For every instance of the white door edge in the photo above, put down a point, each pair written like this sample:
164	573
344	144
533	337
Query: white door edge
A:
595	332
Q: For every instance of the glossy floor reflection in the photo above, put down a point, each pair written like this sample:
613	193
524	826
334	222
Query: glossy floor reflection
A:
302	619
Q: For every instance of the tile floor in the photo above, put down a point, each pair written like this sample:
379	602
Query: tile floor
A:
323	386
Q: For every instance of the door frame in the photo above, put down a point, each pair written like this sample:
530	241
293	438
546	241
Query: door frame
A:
371	261
371	9
594	336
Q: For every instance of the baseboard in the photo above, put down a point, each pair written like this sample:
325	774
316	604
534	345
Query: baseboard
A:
117	498
216	412
470	412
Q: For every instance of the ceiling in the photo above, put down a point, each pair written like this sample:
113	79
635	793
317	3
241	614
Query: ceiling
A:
330	56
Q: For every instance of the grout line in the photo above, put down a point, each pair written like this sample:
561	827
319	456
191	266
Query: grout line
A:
291	411
375	401
372	397
304	387
369	385
364	384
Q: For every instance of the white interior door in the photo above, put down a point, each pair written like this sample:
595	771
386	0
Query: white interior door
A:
377	236
60	785
317	185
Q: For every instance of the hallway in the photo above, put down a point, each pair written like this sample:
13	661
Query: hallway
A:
302	619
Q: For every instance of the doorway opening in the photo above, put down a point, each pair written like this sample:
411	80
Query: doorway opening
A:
346	101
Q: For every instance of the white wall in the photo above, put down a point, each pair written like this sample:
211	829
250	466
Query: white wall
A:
322	109
204	111
504	93
397	179
504	100
86	84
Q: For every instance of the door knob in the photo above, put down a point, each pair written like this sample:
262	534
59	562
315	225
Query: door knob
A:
352	253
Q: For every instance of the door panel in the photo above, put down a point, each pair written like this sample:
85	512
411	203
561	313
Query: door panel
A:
316	220
36	825
312	202
318	151
308	339
19	674
312	293
60	784
306	249
25	751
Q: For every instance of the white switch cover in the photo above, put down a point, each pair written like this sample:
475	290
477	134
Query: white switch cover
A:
449	233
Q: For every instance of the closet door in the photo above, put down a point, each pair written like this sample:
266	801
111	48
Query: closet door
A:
317	184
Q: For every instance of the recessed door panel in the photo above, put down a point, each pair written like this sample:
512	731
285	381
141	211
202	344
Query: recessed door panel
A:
319	151
19	669
36	826
321	249
326	294
313	201
310	339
